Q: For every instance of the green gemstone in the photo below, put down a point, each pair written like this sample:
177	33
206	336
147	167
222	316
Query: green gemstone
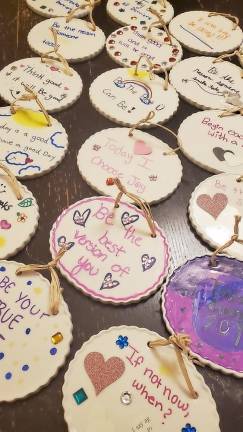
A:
80	396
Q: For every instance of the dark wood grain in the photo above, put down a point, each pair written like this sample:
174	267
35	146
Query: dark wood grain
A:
55	191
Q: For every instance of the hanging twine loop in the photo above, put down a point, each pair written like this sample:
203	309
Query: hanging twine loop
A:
234	238
147	120
181	343
234	18
13	181
159	21
29	96
55	288
237	105
47	57
144	206
91	5
151	68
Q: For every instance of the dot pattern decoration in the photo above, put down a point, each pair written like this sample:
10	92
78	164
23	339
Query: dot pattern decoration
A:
135	12
54	8
126	45
26	327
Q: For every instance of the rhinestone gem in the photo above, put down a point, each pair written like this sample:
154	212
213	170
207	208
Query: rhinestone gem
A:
126	398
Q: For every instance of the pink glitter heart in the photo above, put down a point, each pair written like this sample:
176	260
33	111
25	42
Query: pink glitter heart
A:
66	88
103	373
4	224
141	148
215	205
54	68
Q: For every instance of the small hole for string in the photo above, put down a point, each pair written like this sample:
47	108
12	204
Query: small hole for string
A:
239	180
117	206
213	263
148	344
153	235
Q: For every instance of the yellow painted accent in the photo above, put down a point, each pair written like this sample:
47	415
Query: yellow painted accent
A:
2	241
28	118
164	370
140	74
37	290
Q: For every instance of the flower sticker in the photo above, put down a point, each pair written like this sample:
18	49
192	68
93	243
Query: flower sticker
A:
188	428
122	342
21	217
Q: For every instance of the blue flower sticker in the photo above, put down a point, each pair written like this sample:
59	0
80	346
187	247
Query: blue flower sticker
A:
122	341
188	428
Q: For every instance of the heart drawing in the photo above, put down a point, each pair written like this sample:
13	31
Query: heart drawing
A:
81	219
103	373
62	241
4	224
213	206
127	219
147	262
108	282
141	148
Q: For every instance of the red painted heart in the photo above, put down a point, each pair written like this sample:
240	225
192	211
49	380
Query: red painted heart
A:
103	373
215	205
28	160
141	148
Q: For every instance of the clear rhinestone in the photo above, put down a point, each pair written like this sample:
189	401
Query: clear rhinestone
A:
126	398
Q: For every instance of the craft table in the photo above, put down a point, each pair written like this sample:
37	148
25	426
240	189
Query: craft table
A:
63	186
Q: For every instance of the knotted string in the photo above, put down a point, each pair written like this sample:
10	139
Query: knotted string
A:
45	57
13	181
55	288
232	17
144	206
151	68
163	3
159	21
147	120
237	106
181	343
30	96
91	5
234	238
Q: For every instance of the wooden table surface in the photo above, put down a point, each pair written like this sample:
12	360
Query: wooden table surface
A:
63	186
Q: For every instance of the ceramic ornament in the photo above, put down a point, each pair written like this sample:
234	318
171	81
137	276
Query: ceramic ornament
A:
205	302
33	343
205	34
214	143
241	55
136	12
126	45
19	215
29	147
76	40
144	386
55	89
213	206
204	83
138	160
54	8
112	256
126	98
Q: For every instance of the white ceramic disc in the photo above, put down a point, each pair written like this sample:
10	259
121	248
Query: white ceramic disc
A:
127	44
213	206
138	161
54	88
18	218
203	34
204	83
136	11
33	344
117	383
28	147
126	98
76	41
212	142
112	256
54	8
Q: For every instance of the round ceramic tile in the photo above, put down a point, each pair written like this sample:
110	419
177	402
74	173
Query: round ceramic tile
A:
206	303
57	7
112	256
212	142
126	45
30	148
204	83
126	98
18	218
199	32
34	344
138	161
144	386
213	206
76	41
54	88
136	11
241	57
